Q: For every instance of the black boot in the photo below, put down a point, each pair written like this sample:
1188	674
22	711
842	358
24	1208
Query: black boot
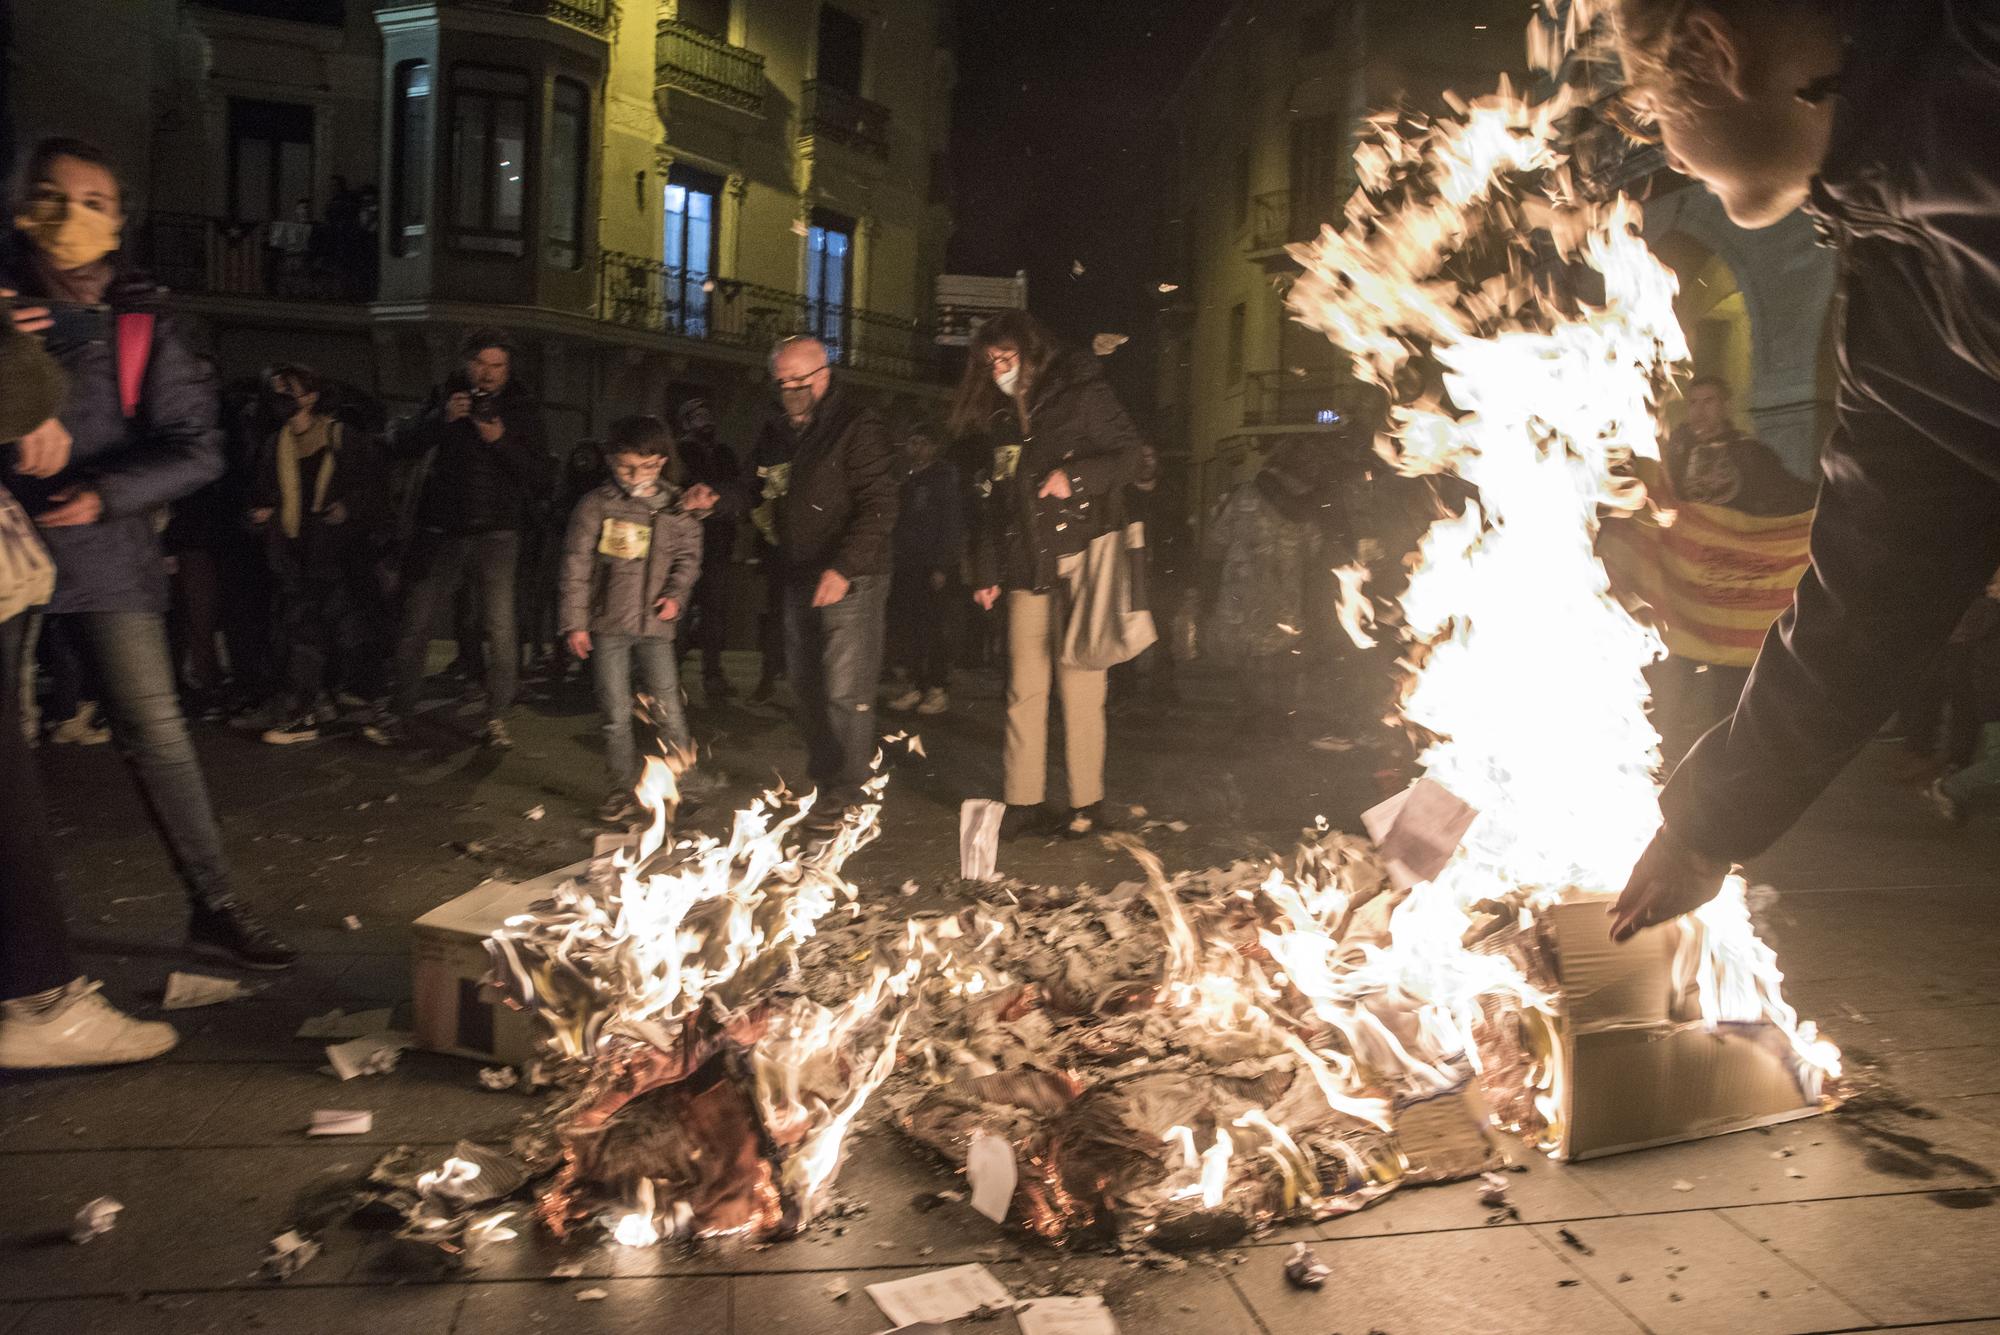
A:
231	932
1029	820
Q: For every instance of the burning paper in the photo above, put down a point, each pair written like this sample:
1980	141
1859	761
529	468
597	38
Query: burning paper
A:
185	991
941	1295
1418	830
989	1166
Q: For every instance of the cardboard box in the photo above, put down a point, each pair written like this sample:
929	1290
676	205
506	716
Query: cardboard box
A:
1642	1069
453	1008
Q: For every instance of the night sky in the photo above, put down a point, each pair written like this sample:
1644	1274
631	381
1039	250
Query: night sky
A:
1060	155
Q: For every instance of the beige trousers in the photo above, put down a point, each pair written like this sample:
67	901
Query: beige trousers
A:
1034	642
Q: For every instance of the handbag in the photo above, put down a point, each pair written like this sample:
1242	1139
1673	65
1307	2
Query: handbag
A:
1109	622
27	574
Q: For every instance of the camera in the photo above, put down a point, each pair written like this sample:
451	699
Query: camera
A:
485	406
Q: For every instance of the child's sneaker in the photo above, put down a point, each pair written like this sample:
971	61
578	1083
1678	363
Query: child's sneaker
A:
935	702
305	728
905	701
496	737
83	730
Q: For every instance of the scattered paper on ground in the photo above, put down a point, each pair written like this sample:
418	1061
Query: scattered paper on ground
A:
989	1165
291	1252
337	1023
185	991
371	1054
94	1219
979	838
340	1122
499	1077
940	1295
592	1296
1066	1316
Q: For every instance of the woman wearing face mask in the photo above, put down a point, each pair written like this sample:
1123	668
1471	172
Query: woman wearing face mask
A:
142	413
1059	450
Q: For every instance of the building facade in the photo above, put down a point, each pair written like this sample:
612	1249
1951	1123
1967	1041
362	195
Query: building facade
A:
647	195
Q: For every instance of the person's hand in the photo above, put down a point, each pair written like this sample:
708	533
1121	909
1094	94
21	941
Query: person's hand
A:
986	597
1669	880
937	581
490	432
669	609
1056	485
75	506
44	451
700	496
261	515
579	643
458	407
29	319
832	588
334	514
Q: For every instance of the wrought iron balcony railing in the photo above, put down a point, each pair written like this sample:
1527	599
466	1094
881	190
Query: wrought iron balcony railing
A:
698	62
591	16
219	257
846	118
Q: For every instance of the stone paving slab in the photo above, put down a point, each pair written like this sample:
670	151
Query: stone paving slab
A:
283	1311
1899	1259
651	1306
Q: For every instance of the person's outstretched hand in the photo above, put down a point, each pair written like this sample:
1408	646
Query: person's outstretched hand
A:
1669	880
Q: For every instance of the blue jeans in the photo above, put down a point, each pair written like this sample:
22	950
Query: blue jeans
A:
834	658
1978	784
611	659
438	566
129	651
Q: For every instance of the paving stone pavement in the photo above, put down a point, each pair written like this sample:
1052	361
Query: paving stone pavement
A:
1880	1217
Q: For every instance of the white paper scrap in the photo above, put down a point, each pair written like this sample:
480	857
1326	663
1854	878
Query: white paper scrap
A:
291	1252
979	838
337	1023
1418	830
340	1122
1066	1316
185	991
96	1218
371	1054
989	1164
592	1296
940	1295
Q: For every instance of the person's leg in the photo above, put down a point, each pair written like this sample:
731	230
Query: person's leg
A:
939	636
611	679
851	654
711	609
1978	784
34	938
805	643
499	558
1083	732
200	583
62	660
436	569
1030	660
130	651
1963	720
659	667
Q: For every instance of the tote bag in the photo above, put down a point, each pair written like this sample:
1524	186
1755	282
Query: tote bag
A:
1109	622
27	575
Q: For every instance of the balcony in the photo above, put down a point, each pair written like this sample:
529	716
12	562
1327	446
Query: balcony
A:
294	261
1279	218
591	16
846	118
694	61
1289	399
644	294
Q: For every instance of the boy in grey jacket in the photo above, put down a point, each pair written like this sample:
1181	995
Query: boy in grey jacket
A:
630	558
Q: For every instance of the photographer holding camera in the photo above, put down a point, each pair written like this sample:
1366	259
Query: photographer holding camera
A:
483	476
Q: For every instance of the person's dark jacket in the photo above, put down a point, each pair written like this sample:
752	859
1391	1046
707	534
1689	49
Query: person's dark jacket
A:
468	486
1764	486
1908	526
1076	424
705	460
837	508
326	550
930	523
609	594
170	449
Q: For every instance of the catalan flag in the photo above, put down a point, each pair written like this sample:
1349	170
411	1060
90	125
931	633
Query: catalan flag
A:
1716	577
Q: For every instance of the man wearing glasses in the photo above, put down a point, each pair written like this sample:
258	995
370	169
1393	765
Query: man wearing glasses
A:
830	485
1883	121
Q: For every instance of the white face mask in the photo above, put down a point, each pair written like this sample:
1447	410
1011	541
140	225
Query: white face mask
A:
1008	378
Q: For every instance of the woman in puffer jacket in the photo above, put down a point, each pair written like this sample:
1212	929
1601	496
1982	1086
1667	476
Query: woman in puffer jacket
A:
1059	451
142	413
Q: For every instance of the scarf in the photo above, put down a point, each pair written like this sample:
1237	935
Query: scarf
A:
294	449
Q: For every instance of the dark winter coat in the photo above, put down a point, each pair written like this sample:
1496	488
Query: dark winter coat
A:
1077	425
833	488
325	550
930	523
705	460
170	449
608	594
1908	527
468	486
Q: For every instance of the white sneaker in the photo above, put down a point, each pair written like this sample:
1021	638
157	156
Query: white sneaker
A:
82	1030
935	701
82	730
904	703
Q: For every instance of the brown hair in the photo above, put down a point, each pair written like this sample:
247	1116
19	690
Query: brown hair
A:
642	434
42	157
1647	29
978	398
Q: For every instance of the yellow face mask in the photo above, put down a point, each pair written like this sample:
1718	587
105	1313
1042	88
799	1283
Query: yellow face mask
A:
70	235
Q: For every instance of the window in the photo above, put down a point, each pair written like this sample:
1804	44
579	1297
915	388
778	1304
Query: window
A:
1239	182
711	16
410	159
840	43
1319	30
829	278
489	149
270	158
692	231
568	173
1318	145
1233	358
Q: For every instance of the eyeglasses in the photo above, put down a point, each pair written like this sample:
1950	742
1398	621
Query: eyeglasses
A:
799	381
